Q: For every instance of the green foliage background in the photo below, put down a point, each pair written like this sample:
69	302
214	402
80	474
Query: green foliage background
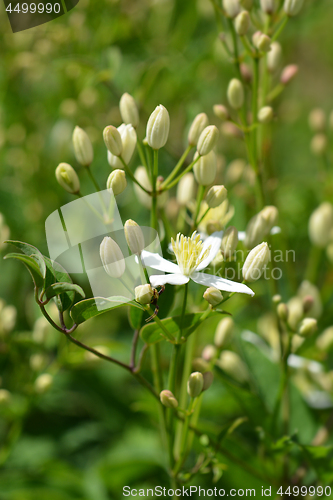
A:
95	430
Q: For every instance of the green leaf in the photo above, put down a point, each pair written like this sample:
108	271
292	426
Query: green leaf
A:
86	309
135	317
61	288
55	273
33	252
31	265
152	333
229	429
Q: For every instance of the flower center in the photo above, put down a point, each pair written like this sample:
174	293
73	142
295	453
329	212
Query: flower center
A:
189	252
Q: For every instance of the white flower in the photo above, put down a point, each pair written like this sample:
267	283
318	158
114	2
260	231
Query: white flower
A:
192	256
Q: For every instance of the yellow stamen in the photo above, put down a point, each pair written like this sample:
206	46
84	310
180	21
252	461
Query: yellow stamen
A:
189	252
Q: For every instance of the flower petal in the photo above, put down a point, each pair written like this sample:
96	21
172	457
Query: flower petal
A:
221	283
213	241
172	279
157	262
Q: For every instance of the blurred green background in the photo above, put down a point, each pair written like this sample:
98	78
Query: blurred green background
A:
95	429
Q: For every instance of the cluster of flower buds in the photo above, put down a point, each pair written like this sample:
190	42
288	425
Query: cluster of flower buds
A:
320	125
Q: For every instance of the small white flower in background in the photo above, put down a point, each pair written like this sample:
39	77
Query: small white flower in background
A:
128	140
192	256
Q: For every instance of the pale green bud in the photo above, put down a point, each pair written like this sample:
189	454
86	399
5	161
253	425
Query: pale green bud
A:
282	311
235	94
213	296
231	7
221	112
186	189
205	169
265	114
112	258
4	396
209	353
43	382
208	380
232	364
325	341
267	6
321	225
296	312
276	299
229	242
216	195
82	147
144	294
317	120
67	178
207	140
307	327
274	57
292	7
128	140
134	236
129	110
158	127
112	139
195	384
235	171
319	144
117	181
8	318
224	332
260	225
288	73
199	123
242	23
262	42
255	262
168	399
37	362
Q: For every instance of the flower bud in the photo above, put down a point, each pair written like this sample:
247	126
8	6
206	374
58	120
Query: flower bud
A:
255	262
216	195
288	73
213	296
229	129
112	139
246	72
195	384
205	169
260	225
144	294
224	332
209	353
117	181
208	380
282	311
221	112
235	94
186	189
307	327
229	242
67	178
207	140
199	123
276	299
265	114
168	399
308	302
82	147
267	6
295	308
242	23
231	7
129	110
43	382
292	7
4	396
128	139
232	364
134	236
8	318
112	258
158	127
319	144
325	341
274	57
262	42
321	225
235	171
317	120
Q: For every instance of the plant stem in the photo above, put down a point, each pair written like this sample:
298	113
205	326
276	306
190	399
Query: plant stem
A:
165	186
200	195
179	165
130	174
